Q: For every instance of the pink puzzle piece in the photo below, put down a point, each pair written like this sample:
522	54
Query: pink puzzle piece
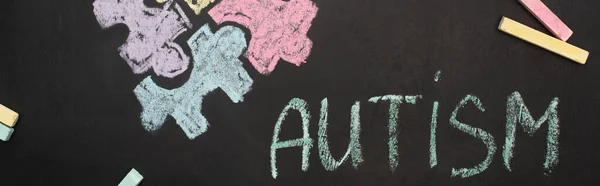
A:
548	18
152	32
278	29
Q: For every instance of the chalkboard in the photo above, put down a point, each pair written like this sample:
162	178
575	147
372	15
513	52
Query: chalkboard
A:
410	92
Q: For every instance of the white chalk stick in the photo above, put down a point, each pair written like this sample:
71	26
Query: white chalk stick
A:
5	132
133	178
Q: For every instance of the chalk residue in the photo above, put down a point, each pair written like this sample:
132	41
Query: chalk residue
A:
216	65
432	140
354	147
152	32
306	142
278	29
517	112
486	137
395	100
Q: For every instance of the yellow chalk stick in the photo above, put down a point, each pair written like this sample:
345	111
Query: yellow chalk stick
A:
542	40
7	116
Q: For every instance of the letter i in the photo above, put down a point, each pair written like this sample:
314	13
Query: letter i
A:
433	126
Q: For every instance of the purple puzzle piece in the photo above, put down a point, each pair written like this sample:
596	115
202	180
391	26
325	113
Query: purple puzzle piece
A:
151	33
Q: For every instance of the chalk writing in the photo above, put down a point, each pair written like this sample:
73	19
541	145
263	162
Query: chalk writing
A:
432	142
433	127
486	137
395	100
412	99
306	142
517	112
152	32
354	148
216	65
278	29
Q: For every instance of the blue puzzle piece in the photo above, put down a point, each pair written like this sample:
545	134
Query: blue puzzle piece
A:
216	65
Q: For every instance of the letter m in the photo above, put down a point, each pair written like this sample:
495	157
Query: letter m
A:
517	112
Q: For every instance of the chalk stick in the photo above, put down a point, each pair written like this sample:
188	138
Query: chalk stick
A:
8	117
5	132
133	178
542	40
548	18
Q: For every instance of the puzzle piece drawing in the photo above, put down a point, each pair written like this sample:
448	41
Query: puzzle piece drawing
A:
152	32
216	65
278	29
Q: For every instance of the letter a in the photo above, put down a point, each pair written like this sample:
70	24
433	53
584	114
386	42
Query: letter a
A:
305	141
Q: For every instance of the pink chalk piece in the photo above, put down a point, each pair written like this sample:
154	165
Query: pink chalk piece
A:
152	32
549	19
278	29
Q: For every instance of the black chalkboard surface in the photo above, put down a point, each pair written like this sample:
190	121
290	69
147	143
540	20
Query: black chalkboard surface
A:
508	112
